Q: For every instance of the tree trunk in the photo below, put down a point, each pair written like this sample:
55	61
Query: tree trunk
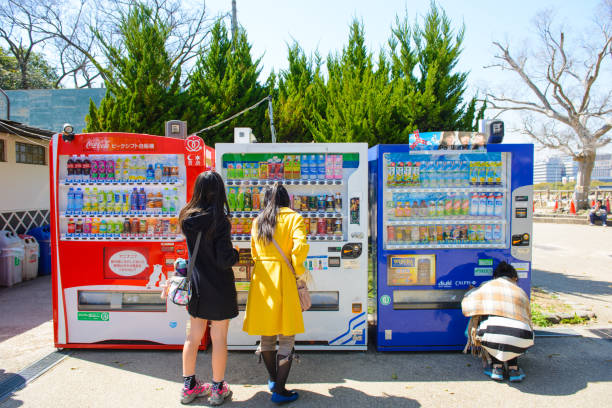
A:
23	67
583	180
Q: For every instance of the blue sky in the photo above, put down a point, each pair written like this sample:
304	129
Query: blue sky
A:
323	25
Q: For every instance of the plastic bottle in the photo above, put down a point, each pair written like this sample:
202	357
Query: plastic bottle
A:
93	174
71	226
490	175
134	200
465	204
110	169
142	200
117	202
78	168
70	168
475	205
93	200
174	204
85	168
70	200
440	208
158	172
338	202
497	233
499	205
490	205
101	169
498	173
457	204
330	166
482	173
321	167
78	200
473	174
482	205
165	200
407	177
86	200
175	168
110	201
338	165
231	198
125	201
87	227
432	211
304	167
150	173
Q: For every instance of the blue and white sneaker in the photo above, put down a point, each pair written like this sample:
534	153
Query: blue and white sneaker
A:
516	375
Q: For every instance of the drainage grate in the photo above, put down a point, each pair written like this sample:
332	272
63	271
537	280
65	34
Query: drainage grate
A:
17	381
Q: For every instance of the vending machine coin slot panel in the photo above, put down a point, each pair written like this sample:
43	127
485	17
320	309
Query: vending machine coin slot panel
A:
428	299
351	250
121	301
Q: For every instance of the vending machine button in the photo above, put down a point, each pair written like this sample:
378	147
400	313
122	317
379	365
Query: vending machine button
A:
357	307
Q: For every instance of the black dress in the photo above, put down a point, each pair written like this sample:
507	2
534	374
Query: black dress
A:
213	292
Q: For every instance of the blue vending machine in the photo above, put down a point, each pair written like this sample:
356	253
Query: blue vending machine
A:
443	217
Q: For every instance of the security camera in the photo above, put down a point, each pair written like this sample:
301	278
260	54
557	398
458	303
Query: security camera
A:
68	133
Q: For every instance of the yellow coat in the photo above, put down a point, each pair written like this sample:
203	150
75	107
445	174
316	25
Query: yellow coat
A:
273	305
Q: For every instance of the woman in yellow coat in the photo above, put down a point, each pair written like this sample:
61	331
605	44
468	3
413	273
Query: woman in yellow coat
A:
273	306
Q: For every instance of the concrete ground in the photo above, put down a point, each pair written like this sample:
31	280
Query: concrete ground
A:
571	260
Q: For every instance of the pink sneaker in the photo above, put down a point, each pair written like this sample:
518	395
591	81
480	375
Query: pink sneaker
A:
219	395
199	390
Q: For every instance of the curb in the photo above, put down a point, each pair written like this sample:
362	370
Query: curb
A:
562	219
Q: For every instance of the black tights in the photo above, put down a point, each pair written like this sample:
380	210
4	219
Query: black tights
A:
511	363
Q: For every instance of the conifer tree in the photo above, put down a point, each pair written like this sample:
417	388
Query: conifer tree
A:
297	98
356	96
145	89
423	75
224	82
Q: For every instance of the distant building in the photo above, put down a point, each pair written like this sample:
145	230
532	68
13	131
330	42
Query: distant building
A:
553	169
24	167
602	171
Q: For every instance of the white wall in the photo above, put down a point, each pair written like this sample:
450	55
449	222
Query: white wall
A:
23	186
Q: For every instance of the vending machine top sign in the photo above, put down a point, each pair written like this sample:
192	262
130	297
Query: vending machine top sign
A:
447	140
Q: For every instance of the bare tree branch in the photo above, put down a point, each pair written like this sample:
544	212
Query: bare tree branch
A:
569	77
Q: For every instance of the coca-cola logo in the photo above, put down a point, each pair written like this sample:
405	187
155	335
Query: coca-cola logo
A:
97	144
194	144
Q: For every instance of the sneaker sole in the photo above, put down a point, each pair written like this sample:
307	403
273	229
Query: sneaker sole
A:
190	398
516	379
216	403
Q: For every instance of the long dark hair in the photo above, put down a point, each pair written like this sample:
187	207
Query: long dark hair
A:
208	198
275	197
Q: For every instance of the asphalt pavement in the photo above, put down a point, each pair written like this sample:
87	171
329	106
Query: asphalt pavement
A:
574	370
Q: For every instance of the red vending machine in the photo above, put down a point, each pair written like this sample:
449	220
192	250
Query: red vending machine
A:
115	199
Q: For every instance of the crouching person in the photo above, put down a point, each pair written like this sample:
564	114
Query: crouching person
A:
500	328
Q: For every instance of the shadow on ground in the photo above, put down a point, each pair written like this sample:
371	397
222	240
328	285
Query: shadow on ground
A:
570	284
554	366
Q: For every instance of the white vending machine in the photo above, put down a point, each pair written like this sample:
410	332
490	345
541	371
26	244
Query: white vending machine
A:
328	185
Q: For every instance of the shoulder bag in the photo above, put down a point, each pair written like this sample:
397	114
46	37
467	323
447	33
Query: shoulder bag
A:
179	290
302	288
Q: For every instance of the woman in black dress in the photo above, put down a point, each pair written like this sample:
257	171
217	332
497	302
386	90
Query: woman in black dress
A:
213	292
